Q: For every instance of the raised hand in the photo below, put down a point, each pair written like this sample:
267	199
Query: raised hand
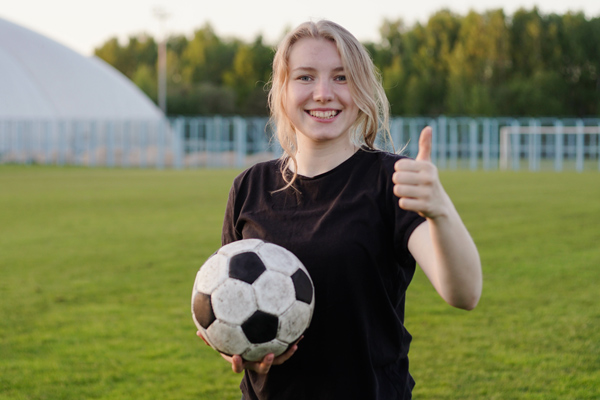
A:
417	184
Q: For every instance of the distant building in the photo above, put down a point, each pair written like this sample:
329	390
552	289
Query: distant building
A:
43	80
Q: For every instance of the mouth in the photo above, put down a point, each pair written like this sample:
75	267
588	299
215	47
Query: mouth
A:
329	114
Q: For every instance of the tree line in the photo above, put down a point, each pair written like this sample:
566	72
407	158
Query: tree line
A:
478	64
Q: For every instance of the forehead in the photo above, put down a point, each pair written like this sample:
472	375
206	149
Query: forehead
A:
310	52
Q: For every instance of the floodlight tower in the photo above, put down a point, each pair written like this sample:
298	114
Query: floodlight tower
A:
162	16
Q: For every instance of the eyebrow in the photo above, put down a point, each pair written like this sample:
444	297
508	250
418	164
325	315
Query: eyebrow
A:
311	69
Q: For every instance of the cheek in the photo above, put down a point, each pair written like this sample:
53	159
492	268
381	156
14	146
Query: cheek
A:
293	102
352	109
288	107
348	99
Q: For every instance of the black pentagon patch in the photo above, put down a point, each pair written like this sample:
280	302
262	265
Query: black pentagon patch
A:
303	286
246	267
261	327
203	310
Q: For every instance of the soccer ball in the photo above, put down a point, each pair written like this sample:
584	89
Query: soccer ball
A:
252	298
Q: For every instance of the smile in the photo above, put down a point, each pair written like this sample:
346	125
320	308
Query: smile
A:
324	114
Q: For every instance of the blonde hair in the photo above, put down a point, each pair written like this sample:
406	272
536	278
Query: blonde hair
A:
364	83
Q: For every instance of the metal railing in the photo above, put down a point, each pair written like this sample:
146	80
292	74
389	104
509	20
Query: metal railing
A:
212	142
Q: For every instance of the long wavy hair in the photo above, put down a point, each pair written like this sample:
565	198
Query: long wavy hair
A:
363	79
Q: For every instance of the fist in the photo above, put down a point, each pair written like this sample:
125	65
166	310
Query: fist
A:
417	184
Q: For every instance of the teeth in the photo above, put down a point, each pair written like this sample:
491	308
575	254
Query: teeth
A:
323	114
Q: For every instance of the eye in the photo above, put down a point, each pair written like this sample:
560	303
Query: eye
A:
341	78
304	78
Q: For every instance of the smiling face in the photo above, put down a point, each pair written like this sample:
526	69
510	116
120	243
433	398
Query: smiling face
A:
318	99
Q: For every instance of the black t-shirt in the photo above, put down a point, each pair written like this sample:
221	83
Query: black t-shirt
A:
346	227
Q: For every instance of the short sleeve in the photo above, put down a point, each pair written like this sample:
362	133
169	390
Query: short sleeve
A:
229	233
405	222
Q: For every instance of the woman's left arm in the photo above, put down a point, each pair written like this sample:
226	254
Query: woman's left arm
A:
442	245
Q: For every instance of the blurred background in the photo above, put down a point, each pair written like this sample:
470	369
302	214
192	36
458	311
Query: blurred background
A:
185	84
109	66
491	58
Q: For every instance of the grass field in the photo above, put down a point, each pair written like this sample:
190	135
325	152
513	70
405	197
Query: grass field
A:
96	268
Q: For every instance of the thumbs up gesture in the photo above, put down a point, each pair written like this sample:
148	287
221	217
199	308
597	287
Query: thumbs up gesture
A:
417	184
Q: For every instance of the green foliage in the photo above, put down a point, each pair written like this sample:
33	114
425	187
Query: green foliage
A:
249	76
140	50
145	78
97	265
478	64
206	56
544	93
490	63
203	98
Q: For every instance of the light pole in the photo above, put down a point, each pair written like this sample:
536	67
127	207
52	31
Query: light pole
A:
162	16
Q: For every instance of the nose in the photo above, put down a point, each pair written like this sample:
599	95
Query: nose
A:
323	91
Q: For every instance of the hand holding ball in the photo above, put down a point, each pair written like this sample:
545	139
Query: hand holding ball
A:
252	298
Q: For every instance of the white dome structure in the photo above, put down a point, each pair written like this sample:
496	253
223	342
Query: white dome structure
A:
44	80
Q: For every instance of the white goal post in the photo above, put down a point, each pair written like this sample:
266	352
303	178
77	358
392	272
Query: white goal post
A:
506	147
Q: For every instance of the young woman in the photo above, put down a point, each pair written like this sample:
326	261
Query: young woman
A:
357	217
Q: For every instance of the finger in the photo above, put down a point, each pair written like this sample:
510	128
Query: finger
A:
425	145
280	359
411	191
412	204
202	337
226	357
237	364
406	164
265	365
406	178
285	356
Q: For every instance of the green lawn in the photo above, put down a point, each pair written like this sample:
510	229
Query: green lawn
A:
96	269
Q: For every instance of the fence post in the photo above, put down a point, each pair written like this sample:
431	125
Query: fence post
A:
442	142
29	136
91	161
486	148
240	138
453	143
516	145
473	133
579	150
62	142
213	134
125	143
414	138
533	144
398	133
47	141
178	137
160	144
194	141
3	144
495	142
19	139
598	146
558	146
110	143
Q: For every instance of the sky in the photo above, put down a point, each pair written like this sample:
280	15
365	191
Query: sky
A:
84	25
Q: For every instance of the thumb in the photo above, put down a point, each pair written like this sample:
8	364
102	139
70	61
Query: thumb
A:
425	145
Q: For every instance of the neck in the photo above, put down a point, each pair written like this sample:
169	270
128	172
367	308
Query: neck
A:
316	160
